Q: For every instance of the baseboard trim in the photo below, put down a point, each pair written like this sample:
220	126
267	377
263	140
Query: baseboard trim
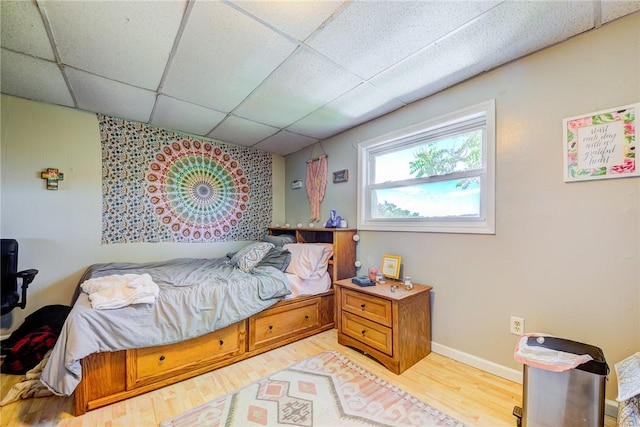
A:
477	362
610	406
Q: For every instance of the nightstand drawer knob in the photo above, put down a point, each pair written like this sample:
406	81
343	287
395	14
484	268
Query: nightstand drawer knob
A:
363	331
362	306
221	343
306	317
162	358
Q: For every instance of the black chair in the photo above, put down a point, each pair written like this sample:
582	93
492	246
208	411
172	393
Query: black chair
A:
10	275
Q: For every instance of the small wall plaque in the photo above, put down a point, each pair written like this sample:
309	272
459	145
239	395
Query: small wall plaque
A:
341	176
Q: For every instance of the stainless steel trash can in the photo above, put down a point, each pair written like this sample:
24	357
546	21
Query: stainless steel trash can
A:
574	397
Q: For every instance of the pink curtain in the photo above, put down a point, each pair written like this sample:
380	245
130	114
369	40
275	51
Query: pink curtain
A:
316	184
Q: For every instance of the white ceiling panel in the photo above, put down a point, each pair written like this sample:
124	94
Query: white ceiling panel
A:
124	41
364	37
22	29
285	142
178	115
508	31
302	84
297	19
222	56
357	106
100	95
614	9
276	75
242	131
33	78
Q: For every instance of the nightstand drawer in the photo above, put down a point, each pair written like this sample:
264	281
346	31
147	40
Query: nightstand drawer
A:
372	308
367	332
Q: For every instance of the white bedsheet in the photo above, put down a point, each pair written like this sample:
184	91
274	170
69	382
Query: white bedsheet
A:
316	284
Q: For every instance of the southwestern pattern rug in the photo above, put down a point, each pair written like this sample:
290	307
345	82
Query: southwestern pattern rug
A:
323	390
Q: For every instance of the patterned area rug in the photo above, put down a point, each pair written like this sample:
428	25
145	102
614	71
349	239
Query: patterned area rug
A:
323	390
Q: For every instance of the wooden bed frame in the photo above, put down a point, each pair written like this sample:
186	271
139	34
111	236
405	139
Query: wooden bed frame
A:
114	376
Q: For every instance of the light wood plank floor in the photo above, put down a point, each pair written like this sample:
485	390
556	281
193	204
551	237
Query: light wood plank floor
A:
468	394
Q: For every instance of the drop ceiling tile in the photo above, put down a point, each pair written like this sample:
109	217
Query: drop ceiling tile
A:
614	9
22	29
359	105
178	115
100	95
33	78
507	32
223	55
127	41
297	19
284	143
369	36
302	84
241	131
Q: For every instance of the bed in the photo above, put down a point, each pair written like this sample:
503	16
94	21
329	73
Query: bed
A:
206	314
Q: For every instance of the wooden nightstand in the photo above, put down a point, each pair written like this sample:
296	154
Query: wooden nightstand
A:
392	327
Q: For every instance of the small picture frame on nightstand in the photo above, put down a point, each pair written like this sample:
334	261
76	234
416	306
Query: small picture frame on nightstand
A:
391	266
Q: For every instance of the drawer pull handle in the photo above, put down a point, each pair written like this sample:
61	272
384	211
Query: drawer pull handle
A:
221	343
363	331
270	327
162	358
362	306
306	317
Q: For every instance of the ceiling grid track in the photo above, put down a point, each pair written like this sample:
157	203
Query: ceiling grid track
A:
47	26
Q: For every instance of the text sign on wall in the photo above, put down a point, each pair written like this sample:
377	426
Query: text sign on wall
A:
601	144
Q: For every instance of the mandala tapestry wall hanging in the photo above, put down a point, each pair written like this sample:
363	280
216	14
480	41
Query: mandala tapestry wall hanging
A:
163	186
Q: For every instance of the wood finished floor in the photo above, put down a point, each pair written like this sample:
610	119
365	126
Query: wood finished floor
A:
472	396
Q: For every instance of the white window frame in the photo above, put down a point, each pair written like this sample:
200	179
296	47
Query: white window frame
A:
485	224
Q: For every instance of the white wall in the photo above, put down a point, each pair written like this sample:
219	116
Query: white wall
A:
565	256
59	232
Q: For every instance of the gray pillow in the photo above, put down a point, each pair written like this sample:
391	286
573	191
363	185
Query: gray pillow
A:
279	241
278	258
249	256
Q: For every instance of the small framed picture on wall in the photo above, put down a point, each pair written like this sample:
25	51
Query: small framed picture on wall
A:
341	176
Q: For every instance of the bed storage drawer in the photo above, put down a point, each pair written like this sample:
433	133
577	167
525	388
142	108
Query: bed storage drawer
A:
372	308
146	365
280	323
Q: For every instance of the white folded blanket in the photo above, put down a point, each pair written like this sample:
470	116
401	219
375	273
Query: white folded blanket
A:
120	290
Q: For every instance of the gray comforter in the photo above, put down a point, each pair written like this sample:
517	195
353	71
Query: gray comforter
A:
196	296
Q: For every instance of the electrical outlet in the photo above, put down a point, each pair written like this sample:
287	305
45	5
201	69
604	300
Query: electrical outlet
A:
517	325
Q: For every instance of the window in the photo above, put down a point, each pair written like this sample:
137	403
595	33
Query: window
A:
435	176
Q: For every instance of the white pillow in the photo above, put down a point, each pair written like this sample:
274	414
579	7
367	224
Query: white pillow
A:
328	253
250	256
305	259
